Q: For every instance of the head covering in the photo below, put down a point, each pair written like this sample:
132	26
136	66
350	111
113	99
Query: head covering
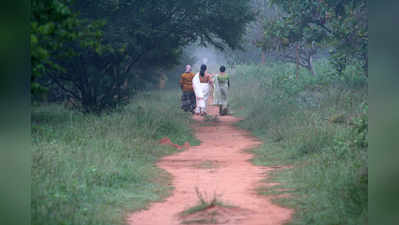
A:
188	68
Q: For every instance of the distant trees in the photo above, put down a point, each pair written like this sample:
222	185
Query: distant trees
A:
99	56
251	53
288	45
341	24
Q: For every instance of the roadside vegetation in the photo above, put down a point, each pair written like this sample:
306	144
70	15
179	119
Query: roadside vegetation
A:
315	125
90	169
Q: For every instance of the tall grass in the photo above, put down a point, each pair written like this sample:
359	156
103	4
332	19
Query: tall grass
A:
94	169
316	124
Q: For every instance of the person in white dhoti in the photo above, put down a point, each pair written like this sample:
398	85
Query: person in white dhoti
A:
201	82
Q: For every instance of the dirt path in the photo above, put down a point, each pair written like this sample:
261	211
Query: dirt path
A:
221	167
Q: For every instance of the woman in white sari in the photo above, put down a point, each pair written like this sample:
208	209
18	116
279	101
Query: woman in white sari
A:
201	82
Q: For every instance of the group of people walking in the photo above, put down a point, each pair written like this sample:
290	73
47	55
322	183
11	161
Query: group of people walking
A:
198	87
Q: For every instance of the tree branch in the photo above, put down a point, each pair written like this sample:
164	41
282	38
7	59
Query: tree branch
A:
59	84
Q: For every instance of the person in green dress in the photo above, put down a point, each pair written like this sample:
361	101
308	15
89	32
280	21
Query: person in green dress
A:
221	83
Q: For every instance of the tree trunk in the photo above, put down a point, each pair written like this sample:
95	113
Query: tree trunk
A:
366	65
310	63
263	57
297	61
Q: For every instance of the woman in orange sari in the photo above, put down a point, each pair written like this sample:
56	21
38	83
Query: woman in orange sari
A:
188	101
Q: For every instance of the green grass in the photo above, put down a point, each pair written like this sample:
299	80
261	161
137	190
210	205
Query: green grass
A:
95	169
204	204
200	207
318	126
207	217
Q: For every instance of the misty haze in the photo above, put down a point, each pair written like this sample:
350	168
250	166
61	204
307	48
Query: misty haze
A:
199	112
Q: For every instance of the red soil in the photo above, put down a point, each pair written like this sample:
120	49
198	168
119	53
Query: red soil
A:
167	141
219	166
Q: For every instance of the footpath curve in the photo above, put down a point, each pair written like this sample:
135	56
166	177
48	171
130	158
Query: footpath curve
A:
219	167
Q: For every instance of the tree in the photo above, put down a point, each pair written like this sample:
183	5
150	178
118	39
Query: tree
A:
287	44
251	52
54	27
139	38
342	24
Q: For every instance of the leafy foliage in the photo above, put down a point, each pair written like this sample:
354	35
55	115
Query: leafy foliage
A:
53	28
287	44
139	41
342	24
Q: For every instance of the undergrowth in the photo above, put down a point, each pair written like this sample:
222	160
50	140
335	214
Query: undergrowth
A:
90	169
316	124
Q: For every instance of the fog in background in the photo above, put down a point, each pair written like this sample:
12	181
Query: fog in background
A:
209	56
195	56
